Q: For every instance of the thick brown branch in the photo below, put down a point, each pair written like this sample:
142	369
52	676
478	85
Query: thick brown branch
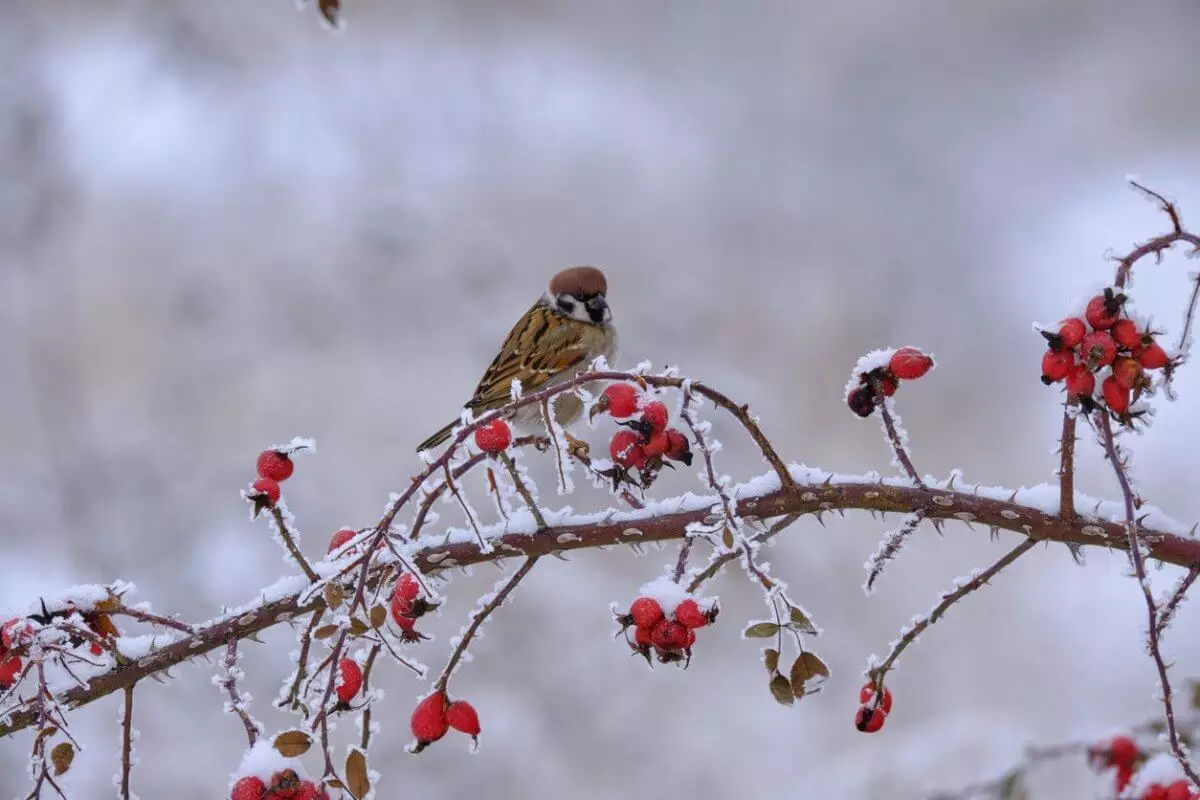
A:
629	528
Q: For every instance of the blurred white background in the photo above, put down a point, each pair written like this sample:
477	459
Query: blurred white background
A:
222	225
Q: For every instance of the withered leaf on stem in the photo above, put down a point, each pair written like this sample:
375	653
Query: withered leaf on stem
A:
61	757
356	774
334	595
47	732
771	658
806	667
378	616
330	9
1195	685
292	744
325	631
358	627
781	689
727	538
799	621
761	630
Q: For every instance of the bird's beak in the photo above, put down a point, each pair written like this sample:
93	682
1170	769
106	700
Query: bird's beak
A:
598	309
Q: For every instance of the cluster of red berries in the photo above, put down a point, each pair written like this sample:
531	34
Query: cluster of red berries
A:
1105	342
284	785
669	635
436	715
905	364
1121	754
407	606
873	709
274	467
495	437
646	441
15	636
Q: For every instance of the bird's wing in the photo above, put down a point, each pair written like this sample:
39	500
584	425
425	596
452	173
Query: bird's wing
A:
541	345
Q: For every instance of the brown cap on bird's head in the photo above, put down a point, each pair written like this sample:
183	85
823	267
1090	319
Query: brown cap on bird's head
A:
579	281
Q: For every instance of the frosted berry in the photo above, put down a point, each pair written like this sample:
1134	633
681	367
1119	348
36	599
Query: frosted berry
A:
275	465
310	791
1152	356
657	444
620	399
689	615
1098	349
10	668
646	612
461	716
340	538
678	447
861	401
1115	396
429	719
351	680
1081	382
691	640
643	636
406	587
655	415
1056	365
888	384
17	633
265	491
248	788
909	363
1104	310
626	449
668	635
869	720
1122	750
1126	334
1177	791
1070	333
284	783
1155	791
494	437
1128	373
868	691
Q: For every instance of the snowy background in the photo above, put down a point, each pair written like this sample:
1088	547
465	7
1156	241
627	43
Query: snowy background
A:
221	225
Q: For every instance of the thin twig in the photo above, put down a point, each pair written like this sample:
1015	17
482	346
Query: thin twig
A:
152	619
890	546
236	702
1112	451
1167	611
366	685
893	436
289	541
911	633
127	742
526	495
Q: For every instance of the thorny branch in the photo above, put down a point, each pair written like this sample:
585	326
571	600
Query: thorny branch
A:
127	742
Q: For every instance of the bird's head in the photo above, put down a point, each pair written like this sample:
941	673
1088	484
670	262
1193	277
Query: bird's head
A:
579	293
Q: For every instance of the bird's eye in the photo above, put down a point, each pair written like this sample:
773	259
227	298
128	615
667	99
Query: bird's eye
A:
566	304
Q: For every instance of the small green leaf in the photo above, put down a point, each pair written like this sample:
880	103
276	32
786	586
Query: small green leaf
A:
800	622
761	630
781	689
771	657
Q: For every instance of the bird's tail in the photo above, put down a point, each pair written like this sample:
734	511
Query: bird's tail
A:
437	438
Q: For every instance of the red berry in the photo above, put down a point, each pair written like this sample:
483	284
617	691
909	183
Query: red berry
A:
1152	356
1098	349
310	791
868	691
248	788
620	400
406	624
869	720
429	719
461	716
1071	332
494	437
658	444
1128	373
1178	791
689	615
1056	365
274	465
909	363
1122	751
402	612
646	612
691	639
668	635
284	783
626	449
1104	310
1126	334
1123	777
1115	396
1080	381
352	680
861	401
655	415
406	587
643	636
267	490
678	447
1155	791
888	384
340	538
17	633
10	668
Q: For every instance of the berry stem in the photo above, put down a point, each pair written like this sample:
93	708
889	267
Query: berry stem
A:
289	540
897	443
1066	469
1113	453
526	495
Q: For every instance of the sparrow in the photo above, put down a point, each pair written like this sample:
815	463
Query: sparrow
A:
568	327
